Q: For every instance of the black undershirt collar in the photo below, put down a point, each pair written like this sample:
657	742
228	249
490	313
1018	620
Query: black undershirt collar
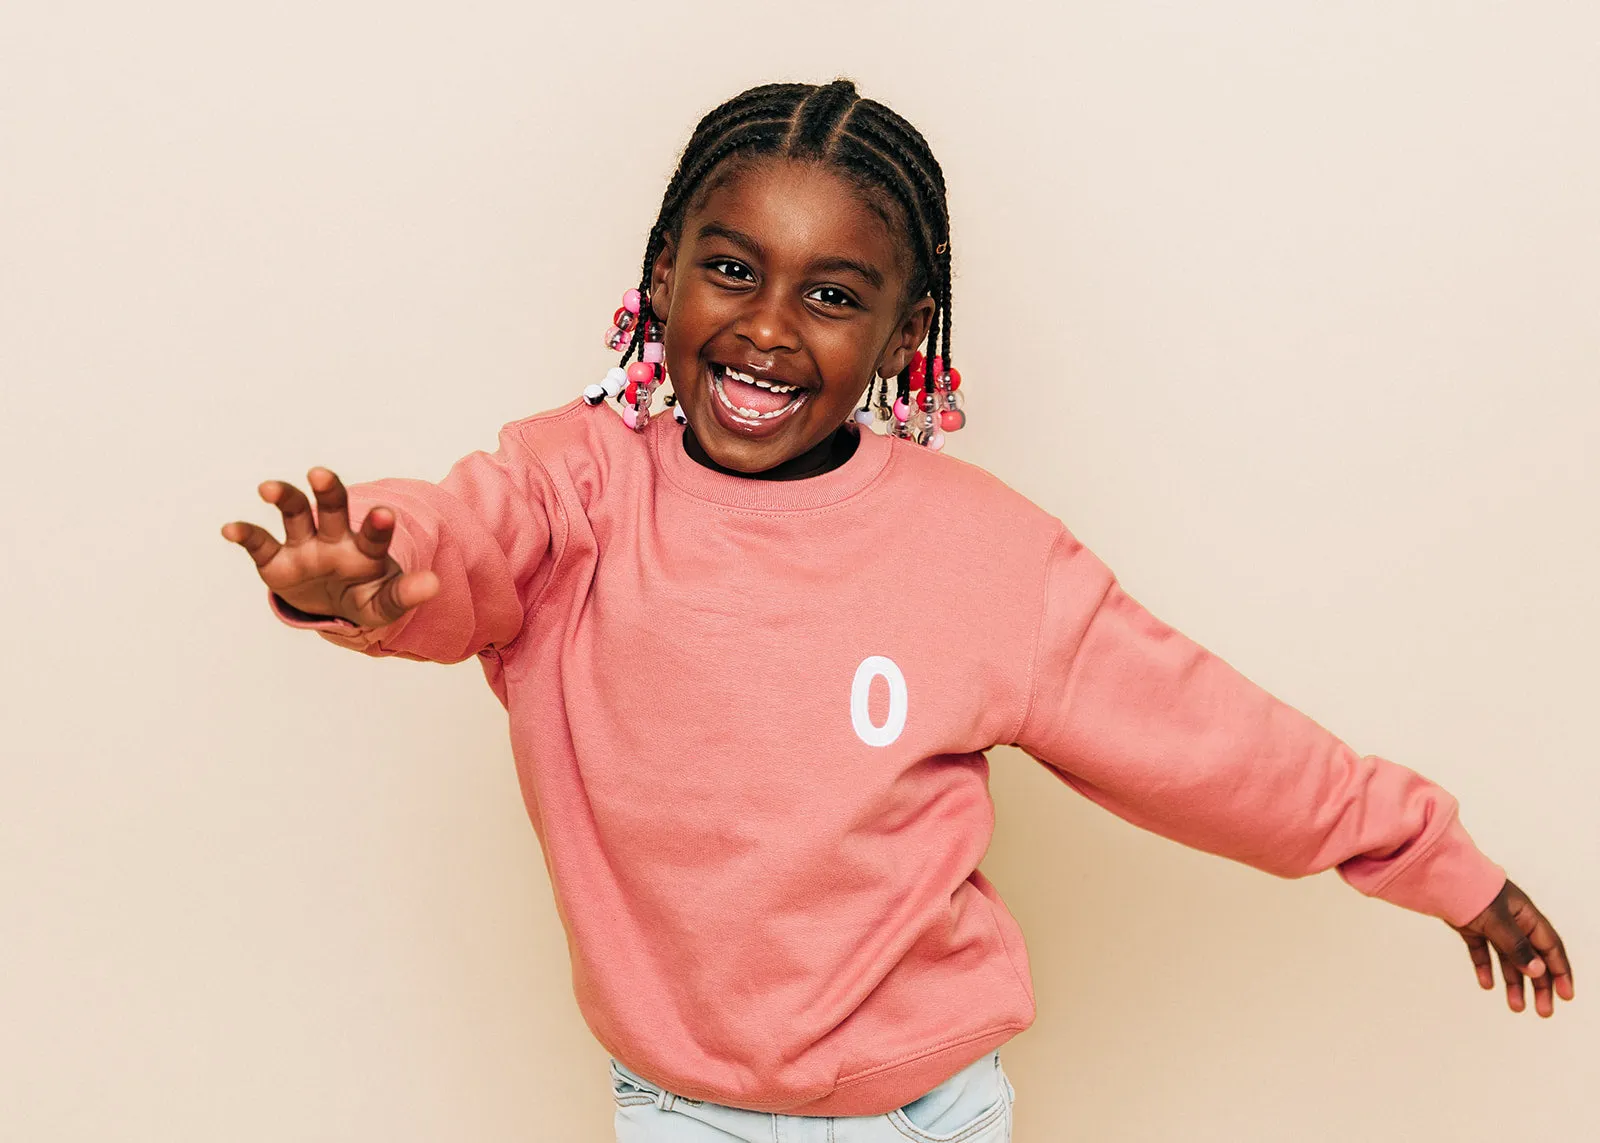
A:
825	456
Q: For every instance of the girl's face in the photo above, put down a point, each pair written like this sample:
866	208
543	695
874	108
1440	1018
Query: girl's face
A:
782	297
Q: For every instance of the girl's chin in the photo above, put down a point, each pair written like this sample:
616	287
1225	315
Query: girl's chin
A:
743	454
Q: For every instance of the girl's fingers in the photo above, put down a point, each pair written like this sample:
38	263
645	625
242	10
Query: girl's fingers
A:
1513	975
333	520
298	526
254	539
1543	1003
1478	949
376	531
1544	937
1508	926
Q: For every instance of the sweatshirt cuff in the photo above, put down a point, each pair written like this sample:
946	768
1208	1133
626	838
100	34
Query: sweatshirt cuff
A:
294	617
340	632
1452	879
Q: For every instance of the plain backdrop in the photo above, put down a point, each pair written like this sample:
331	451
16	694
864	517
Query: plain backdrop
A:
1290	310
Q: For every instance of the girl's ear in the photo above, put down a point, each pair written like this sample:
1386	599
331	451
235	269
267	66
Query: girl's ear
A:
904	341
661	279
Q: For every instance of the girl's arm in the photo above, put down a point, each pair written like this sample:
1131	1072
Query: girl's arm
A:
480	537
1149	724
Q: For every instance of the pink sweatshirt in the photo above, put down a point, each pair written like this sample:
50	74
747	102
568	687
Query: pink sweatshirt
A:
749	720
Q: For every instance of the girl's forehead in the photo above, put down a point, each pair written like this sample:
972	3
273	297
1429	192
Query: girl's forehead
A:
797	209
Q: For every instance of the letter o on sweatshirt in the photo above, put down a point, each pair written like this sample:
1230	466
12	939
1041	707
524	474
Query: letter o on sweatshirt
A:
871	667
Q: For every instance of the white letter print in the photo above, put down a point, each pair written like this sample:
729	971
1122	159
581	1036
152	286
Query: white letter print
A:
871	667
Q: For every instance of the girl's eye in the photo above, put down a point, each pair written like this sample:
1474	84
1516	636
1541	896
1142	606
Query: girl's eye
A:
832	296
729	268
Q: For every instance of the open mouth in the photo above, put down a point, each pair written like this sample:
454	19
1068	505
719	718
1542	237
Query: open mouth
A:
755	400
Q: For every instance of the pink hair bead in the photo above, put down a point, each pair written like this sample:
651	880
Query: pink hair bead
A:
616	339
935	440
641	372
901	410
630	416
630	301
654	351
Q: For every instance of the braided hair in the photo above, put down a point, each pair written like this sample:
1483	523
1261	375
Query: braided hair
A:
882	154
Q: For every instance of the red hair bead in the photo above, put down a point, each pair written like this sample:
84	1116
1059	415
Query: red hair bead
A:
641	372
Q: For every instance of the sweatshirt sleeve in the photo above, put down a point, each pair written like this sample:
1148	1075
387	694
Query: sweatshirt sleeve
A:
1161	732
484	530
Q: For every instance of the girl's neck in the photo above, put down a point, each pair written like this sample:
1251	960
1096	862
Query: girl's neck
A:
826	456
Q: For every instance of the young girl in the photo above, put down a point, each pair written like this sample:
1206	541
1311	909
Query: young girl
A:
753	653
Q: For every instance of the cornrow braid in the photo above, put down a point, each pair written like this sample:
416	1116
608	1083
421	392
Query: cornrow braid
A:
867	142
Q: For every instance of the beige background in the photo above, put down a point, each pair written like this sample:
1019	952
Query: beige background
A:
1290	310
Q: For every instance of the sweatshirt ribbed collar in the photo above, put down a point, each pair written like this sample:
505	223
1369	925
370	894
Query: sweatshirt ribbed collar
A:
679	469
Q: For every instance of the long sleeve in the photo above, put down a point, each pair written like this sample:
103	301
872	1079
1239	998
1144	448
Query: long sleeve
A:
1161	732
484	530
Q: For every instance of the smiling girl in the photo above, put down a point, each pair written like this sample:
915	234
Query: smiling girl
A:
761	807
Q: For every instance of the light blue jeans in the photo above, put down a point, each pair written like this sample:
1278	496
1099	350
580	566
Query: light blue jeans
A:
972	1106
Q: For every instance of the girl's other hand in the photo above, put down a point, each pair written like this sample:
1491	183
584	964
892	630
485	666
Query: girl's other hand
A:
324	568
1525	943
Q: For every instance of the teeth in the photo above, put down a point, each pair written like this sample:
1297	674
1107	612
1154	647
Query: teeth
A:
751	414
759	382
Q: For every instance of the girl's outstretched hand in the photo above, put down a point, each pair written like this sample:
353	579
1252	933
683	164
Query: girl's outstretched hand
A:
1525	943
324	568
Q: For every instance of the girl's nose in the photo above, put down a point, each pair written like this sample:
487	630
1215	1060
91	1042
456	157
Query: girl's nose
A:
769	324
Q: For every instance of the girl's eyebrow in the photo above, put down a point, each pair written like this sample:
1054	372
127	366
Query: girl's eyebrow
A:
717	230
